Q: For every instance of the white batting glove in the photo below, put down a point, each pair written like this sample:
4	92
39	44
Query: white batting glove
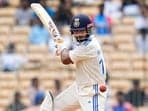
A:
59	44
58	40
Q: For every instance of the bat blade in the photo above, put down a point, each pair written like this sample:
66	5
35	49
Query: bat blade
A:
46	20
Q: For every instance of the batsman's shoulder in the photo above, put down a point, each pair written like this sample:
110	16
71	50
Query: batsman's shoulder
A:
93	42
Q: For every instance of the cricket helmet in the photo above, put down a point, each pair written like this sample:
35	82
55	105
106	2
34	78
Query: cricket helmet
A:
80	23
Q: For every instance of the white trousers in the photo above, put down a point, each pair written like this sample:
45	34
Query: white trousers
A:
89	98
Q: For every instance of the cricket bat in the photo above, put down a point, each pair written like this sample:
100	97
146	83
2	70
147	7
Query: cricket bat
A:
47	22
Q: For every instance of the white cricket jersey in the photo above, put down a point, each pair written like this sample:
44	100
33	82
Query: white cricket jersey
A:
89	60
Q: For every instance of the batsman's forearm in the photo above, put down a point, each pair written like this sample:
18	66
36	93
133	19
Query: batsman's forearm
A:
65	57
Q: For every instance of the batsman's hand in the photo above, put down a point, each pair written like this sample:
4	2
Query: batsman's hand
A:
58	41
59	44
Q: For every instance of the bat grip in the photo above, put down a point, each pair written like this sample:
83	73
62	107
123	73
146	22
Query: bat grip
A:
59	45
59	41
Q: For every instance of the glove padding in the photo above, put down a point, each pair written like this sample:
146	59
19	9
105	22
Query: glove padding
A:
59	45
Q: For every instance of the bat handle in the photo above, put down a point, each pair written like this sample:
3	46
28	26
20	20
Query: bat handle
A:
59	44
59	41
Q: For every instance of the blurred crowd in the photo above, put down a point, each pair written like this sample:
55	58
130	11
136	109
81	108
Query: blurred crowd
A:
35	95
107	12
129	100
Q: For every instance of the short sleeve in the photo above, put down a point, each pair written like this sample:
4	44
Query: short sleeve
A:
82	53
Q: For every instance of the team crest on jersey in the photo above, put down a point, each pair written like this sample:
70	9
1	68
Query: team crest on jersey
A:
76	22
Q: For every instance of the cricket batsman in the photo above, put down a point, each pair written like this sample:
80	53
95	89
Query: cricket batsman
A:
89	88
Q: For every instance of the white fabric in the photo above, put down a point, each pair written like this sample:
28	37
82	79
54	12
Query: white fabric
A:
47	104
141	22
12	61
90	73
23	16
66	44
90	65
112	9
131	10
142	45
85	1
68	99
